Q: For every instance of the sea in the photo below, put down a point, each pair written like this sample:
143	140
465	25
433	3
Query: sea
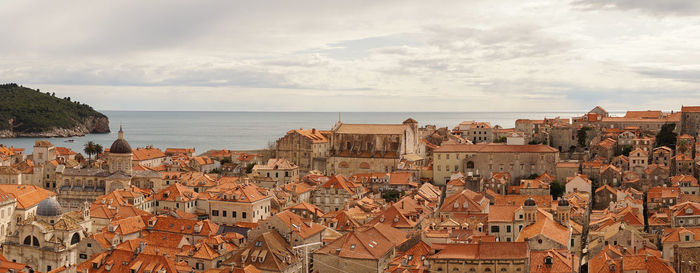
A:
253	130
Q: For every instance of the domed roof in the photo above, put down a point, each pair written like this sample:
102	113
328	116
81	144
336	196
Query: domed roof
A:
530	202
563	202
120	146
49	207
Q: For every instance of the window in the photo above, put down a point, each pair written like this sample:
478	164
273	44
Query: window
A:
495	229
214	213
244	215
258	243
508	229
83	256
233	214
223	213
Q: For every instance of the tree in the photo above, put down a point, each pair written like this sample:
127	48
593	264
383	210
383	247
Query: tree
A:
533	176
98	149
225	160
90	149
249	168
581	135
666	136
556	189
391	195
625	150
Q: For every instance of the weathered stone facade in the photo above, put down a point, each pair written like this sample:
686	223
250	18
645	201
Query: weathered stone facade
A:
365	148
518	160
307	149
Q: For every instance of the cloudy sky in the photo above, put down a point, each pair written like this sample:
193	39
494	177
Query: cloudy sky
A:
463	55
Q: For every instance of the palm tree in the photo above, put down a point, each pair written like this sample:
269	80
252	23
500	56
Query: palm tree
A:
90	149
98	149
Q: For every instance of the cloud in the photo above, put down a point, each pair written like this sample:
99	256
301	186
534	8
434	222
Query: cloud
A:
655	7
350	55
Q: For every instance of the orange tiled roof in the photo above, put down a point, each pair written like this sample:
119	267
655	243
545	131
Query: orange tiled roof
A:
313	135
176	190
140	154
63	151
546	226
483	251
305	229
27	195
123	261
372	242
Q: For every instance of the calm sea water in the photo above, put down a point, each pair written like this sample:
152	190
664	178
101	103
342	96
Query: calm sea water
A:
253	130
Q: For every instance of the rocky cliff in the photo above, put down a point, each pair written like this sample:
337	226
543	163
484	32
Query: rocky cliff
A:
26	112
91	125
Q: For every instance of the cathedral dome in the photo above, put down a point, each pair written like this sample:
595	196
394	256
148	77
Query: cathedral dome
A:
530	202
563	202
120	146
49	207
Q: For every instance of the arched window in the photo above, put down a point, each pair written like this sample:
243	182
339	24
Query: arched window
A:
364	165
75	239
31	240
470	165
344	165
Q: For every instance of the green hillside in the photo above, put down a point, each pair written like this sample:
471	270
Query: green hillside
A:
29	110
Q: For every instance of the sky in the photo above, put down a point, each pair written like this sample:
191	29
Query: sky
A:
326	55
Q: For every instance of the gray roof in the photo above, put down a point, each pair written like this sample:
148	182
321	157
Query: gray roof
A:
49	207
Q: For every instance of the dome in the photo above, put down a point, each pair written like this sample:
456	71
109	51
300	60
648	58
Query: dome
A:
120	146
530	203
49	207
563	202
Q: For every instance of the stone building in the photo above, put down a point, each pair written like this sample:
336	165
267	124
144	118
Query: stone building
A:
638	160
690	120
475	131
367	148
336	192
662	156
683	164
563	138
49	239
646	121
603	196
280	170
307	149
234	203
610	175
518	160
685	144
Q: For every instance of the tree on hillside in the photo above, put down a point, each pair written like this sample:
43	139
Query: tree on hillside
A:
666	136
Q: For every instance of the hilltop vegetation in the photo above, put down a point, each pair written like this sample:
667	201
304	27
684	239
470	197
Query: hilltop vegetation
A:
25	110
